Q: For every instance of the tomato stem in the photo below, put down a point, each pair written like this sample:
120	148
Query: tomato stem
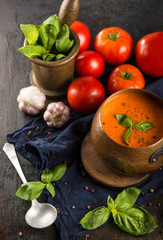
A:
112	36
126	75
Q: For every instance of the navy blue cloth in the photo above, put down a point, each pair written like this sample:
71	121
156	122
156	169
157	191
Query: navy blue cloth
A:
48	147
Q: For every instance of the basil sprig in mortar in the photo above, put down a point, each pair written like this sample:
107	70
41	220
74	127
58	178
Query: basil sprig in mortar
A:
130	218
32	190
49	42
126	121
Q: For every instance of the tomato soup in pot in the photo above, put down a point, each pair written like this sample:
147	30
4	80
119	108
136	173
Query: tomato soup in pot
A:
138	108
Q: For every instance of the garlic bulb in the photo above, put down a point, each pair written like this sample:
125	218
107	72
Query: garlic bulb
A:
31	100
56	114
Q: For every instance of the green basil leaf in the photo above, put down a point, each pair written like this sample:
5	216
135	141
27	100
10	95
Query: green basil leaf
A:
124	120
48	57
135	221
59	56
127	135
110	203
32	50
30	190
63	43
59	171
46	176
95	218
31	32
126	198
143	126
54	20
51	189
48	35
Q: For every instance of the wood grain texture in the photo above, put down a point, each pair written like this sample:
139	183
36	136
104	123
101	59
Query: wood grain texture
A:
138	17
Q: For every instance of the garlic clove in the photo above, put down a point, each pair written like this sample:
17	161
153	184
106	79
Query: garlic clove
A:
56	114
31	100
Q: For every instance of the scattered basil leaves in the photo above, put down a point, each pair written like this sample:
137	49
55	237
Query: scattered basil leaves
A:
95	218
31	32
126	121
130	218
32	190
135	221
126	198
58	171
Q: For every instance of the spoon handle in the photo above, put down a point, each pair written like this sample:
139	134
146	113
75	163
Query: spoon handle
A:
9	149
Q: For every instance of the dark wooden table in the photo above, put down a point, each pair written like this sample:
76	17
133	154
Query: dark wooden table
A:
138	17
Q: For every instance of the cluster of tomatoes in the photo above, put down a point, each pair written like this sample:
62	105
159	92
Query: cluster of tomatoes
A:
114	46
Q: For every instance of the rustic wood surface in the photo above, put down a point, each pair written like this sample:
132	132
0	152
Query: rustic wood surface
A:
139	17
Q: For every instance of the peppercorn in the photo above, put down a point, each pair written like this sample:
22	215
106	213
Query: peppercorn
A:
58	211
66	213
49	133
37	128
151	190
20	234
86	187
65	183
89	207
92	190
73	207
149	204
29	133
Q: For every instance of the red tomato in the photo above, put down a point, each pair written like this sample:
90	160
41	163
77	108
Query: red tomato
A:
114	44
83	33
89	63
85	94
149	54
125	76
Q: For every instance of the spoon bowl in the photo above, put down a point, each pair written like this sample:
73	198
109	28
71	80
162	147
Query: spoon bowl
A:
40	215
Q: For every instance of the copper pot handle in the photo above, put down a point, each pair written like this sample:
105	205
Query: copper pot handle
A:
154	156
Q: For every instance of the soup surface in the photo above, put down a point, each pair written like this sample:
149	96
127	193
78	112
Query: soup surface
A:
139	107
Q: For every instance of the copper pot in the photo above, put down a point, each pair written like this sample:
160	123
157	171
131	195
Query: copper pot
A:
54	77
124	159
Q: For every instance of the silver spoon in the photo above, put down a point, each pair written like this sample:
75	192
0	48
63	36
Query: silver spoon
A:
40	215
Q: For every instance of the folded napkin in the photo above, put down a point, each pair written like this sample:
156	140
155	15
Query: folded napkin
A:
46	147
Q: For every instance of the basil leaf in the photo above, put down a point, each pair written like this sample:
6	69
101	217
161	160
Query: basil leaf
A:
31	32
59	56
110	203
58	171
63	43
48	35
46	176
126	198
30	190
135	221
124	120
32	50
95	218
51	189
127	135
143	126
54	20
48	57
